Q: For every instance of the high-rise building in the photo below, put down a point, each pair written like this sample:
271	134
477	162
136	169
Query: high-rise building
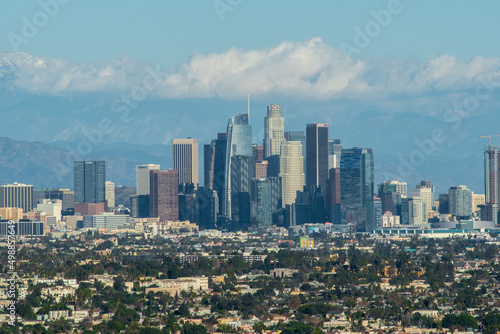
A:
139	206
317	156
90	179
416	211
220	168
258	153
209	164
477	200
274	130
460	199
239	143
489	212
334	153
164	195
242	172
425	190
298	136
17	195
444	204
377	212
143	178
261	169
356	187
185	160
291	171
335	198
110	194
208	207
392	186
262	202
491	174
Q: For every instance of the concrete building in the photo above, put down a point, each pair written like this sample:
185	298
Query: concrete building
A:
477	200
65	195
334	153
106	220
427	196
17	195
185	160
51	208
11	213
291	171
143	178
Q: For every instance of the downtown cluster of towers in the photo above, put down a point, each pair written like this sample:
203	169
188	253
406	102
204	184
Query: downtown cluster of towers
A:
294	177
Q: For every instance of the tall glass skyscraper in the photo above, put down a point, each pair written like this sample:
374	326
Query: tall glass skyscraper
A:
90	177
356	187
274	127
239	142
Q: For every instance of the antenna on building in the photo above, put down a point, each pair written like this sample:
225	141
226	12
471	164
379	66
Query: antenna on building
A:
248	107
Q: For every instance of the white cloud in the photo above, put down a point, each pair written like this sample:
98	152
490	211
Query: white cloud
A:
309	70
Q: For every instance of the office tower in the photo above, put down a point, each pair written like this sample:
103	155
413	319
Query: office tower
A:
416	211
242	173
65	195
208	207
258	153
309	206
273	165
274	130
356	187
276	199
107	221
209	164
110	194
460	201
477	200
444	204
335	198
139	206
377	212
164	195
261	169
11	213
334	153
425	191
298	136
90	179
188	207
393	187
291	171
185	160
262	215
239	143
143	178
317	156
17	195
26	228
489	212
220	168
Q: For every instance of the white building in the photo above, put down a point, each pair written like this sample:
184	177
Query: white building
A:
51	208
143	178
106	220
274	130
110	194
291	171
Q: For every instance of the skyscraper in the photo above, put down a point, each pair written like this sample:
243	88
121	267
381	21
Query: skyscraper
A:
317	156
298	136
239	143
143	178
425	191
17	195
242	172
334	153
164	195
356	187
89	180
491	174
460	201
209	164
185	160
291	171
110	194
274	127
262	201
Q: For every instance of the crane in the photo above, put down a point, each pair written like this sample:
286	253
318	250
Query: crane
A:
489	138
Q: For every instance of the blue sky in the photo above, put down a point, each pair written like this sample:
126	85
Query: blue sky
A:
167	32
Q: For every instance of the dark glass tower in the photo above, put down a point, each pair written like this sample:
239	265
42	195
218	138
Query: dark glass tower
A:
90	179
356	188
317	159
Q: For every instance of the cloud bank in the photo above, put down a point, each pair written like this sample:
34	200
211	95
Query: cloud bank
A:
308	70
